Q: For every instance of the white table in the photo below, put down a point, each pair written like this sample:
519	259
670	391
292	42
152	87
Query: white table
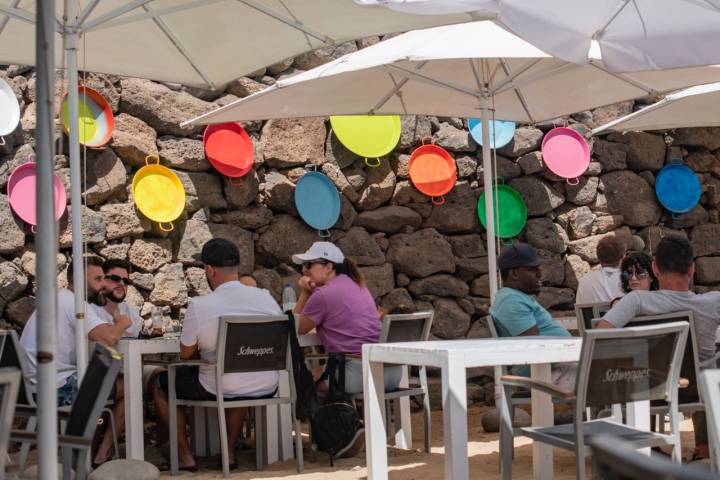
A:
133	349
453	357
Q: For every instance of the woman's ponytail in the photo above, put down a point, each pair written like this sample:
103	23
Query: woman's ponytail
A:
350	268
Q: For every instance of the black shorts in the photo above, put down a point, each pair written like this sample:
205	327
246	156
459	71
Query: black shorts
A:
188	386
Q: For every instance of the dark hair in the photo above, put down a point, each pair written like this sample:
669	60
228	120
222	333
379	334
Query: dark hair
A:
220	252
504	274
674	254
93	260
638	261
350	268
610	250
116	263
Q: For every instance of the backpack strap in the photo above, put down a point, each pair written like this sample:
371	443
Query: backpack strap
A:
336	361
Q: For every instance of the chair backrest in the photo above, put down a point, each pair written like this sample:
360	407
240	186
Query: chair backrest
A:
613	459
12	355
690	365
710	385
95	388
585	312
630	364
491	326
253	343
406	327
10	379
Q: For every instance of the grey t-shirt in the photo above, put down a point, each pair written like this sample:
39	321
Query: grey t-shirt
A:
705	308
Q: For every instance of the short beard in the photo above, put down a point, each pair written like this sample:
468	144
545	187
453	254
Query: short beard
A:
97	298
111	297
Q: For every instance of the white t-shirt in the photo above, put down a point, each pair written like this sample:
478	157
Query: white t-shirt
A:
65	358
201	327
599	286
123	309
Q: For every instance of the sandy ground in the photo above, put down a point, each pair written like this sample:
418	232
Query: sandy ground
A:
415	464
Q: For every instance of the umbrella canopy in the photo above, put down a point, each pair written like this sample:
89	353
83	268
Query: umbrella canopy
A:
692	107
450	71
199	43
633	35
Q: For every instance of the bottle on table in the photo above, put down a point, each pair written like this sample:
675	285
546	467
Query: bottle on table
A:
289	299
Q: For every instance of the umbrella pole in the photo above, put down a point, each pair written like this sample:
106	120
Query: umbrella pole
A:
71	38
46	241
488	183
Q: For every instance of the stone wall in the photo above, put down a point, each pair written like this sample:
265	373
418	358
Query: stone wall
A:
414	255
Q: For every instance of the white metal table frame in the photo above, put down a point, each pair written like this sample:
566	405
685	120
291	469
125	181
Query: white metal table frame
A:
133	349
453	357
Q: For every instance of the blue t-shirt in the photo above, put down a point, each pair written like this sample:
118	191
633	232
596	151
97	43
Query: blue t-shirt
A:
516	312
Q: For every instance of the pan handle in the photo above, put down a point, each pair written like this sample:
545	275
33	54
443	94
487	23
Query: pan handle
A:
161	225
426	137
371	164
573	181
152	157
2	141
32	229
439	200
234	181
324	233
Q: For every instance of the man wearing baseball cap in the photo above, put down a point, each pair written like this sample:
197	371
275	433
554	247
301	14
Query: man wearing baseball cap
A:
515	312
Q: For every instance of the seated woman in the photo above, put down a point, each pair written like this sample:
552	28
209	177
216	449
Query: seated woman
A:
636	273
335	301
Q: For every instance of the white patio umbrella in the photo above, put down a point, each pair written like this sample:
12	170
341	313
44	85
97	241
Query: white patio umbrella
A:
184	41
692	107
633	35
459	70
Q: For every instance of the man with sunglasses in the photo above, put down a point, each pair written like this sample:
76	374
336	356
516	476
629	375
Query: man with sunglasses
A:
123	320
517	314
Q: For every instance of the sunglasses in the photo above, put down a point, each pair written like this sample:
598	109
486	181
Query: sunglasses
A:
638	275
307	265
118	279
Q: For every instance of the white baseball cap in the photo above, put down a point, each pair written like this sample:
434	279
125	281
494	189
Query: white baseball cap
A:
320	251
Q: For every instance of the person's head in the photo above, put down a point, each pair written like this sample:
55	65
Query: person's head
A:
610	251
519	266
637	273
248	281
116	279
324	261
221	258
94	278
673	264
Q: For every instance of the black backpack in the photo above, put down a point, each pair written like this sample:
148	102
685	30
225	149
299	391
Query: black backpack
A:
334	424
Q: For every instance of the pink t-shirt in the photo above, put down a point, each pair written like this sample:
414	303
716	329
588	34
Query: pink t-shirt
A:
344	314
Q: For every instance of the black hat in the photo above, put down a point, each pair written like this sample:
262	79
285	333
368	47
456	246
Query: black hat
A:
219	252
518	255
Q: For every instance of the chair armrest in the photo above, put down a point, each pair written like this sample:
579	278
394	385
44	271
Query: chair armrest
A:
550	389
190	363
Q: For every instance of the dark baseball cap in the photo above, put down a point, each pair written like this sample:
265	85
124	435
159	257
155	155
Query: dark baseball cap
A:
518	255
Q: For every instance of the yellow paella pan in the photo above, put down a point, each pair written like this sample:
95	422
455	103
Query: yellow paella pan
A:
158	193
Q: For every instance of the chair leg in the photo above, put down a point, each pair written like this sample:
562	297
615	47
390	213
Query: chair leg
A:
83	458
67	457
579	448
224	454
259	438
25	447
389	424
506	431
426	407
298	443
113	429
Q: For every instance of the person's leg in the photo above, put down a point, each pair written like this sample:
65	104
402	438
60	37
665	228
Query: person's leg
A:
185	457
234	418
104	451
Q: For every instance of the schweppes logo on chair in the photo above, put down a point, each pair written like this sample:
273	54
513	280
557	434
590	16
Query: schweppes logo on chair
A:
255	351
625	375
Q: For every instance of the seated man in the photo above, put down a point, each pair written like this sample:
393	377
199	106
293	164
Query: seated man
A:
517	313
199	338
674	268
603	285
116	282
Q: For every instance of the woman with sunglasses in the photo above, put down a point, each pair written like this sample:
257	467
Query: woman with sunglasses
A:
636	273
335	301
